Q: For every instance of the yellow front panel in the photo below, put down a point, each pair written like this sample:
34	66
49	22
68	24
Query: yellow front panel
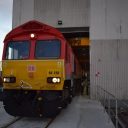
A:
32	74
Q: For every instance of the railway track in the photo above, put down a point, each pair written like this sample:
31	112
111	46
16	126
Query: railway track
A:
49	123
7	121
21	122
10	123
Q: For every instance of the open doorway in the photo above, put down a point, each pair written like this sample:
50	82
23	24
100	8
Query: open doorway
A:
81	48
80	43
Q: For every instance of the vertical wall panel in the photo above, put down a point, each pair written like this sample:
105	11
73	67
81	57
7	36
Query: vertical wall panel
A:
23	11
124	19
98	19
27	10
75	13
109	19
47	11
113	15
16	13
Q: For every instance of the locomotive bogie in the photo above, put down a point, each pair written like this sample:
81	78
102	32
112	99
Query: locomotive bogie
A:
32	103
36	103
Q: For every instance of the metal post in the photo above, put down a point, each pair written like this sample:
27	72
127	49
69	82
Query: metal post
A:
109	106
104	100
96	92
116	114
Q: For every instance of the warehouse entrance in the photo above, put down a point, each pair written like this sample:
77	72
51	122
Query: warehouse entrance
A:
81	48
79	41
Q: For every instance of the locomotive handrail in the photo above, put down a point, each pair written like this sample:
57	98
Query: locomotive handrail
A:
107	92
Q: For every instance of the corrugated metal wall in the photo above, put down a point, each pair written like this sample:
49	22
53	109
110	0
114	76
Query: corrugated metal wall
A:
47	11
72	13
23	11
109	66
109	47
109	19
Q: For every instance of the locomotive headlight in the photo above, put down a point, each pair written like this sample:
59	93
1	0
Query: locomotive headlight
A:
58	80
6	80
9	79
53	80
32	35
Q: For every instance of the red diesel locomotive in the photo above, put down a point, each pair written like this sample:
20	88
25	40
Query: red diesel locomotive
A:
40	71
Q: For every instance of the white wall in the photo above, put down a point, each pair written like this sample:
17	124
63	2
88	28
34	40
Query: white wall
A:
109	46
109	19
73	13
109	66
23	11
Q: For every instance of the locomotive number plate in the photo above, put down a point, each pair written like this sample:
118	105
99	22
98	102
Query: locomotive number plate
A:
54	72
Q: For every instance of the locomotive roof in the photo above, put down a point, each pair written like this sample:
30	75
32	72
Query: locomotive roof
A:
33	26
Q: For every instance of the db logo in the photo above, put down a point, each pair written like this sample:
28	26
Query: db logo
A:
31	68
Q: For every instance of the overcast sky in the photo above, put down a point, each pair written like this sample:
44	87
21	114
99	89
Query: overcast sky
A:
5	20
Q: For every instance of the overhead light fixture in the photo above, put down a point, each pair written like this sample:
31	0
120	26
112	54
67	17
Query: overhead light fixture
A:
60	22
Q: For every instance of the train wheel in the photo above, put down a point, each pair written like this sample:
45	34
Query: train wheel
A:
10	105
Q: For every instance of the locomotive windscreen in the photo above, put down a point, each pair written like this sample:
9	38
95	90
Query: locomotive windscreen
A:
47	49
17	50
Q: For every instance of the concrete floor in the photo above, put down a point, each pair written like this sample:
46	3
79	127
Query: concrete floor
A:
83	113
4	117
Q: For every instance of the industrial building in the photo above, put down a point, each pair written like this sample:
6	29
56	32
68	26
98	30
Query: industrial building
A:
104	22
97	31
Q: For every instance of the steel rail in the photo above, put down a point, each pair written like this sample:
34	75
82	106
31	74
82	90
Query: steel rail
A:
12	122
50	122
